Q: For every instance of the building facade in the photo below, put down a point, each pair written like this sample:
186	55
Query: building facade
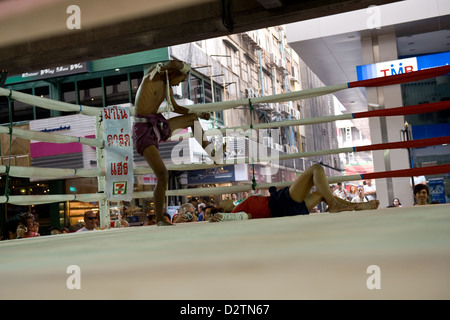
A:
248	65
389	36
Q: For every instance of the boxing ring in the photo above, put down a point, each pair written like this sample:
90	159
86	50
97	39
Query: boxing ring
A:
252	255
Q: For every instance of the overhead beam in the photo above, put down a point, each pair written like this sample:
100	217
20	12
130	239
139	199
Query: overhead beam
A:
162	28
271	4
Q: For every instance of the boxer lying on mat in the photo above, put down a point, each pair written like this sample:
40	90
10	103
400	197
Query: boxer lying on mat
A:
294	200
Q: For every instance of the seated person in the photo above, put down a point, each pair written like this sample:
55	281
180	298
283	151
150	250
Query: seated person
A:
186	213
294	200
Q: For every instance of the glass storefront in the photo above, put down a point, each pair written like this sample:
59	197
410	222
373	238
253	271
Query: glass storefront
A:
98	89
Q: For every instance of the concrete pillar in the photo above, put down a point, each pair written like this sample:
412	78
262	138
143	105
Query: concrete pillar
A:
378	48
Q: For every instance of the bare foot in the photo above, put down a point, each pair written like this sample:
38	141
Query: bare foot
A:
370	205
339	207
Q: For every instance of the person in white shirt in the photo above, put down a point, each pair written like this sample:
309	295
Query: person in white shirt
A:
360	197
340	192
370	191
91	220
419	180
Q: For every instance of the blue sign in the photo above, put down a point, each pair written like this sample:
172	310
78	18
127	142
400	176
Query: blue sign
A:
437	190
389	68
430	131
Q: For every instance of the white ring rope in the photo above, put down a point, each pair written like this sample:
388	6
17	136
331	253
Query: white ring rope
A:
44	199
278	124
208	107
235	189
49	103
28	172
52	137
37	172
282	97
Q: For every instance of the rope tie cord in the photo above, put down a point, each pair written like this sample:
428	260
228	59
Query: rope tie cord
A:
62	106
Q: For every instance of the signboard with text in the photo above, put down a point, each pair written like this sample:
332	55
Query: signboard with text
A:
118	153
437	190
393	67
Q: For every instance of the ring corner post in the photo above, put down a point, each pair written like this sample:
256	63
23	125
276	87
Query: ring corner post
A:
101	180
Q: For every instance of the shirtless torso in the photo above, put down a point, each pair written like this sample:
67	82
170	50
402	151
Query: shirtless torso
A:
153	127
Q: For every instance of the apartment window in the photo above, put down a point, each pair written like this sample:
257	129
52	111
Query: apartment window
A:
196	89
200	92
233	58
217	94
208	92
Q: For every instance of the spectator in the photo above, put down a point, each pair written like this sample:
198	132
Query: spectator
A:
360	195
34	230
167	217
353	192
421	193
91	220
151	219
186	213
201	211
243	198
419	180
234	198
195	202
396	203
30	225
14	228
340	192
370	190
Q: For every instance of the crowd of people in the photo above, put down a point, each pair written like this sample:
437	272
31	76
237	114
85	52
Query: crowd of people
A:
359	197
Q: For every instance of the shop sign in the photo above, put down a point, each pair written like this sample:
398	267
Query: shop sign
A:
393	67
437	190
74	125
118	153
59	71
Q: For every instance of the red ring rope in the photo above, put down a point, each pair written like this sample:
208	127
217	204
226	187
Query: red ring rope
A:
402	111
401	78
408	172
419	143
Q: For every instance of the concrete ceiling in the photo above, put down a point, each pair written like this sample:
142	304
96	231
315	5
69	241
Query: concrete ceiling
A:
34	34
333	58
